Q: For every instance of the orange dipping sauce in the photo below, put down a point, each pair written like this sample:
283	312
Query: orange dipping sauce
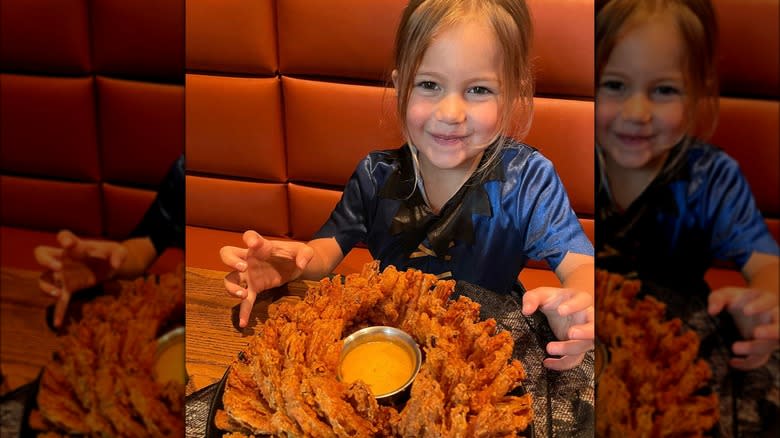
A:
383	365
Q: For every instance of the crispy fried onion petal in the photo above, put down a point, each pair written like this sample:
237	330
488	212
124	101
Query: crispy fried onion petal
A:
101	380
284	382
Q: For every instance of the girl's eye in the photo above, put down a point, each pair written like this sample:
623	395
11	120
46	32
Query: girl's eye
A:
667	90
480	90
613	86
427	85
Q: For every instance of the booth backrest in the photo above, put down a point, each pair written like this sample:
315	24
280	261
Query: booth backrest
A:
91	115
749	123
285	97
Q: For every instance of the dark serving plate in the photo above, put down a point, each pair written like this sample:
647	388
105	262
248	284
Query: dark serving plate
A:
216	404
26	396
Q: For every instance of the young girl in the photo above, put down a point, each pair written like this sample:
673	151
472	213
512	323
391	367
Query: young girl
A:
669	204
460	199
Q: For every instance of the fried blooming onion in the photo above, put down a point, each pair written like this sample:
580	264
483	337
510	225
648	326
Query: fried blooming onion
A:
649	387
284	383
101	382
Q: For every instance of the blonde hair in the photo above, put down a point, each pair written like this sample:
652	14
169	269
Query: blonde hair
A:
422	20
697	25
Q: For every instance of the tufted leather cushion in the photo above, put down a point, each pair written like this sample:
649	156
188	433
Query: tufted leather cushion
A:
140	129
237	205
48	127
231	36
234	127
123	208
563	47
750	47
53	36
50	205
330	127
141	39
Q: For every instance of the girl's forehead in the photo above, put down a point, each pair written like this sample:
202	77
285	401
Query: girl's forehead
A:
472	42
651	43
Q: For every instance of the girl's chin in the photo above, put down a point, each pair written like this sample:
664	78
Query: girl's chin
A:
450	158
448	163
634	161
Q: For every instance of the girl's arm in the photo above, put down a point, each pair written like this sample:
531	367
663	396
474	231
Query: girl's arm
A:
577	271
327	255
140	255
762	271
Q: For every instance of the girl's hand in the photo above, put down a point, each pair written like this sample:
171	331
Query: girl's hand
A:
570	315
262	265
755	313
77	264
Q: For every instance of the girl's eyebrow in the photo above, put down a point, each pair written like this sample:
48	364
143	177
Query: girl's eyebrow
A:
664	76
483	78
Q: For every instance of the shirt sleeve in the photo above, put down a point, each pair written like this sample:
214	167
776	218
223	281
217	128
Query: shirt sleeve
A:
738	228
163	222
552	228
348	222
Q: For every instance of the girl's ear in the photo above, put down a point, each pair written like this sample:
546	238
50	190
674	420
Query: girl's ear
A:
394	77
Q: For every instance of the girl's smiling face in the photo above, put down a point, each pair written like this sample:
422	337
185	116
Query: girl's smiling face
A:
453	110
640	101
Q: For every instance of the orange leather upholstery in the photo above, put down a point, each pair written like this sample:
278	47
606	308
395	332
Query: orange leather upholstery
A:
281	108
749	123
92	116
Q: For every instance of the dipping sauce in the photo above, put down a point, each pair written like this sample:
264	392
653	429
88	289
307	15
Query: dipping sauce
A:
170	362
383	365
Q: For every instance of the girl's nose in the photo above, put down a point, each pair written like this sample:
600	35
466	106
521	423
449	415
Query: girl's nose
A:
637	108
451	109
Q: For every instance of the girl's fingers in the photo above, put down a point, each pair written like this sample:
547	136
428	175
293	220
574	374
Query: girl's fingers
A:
723	297
235	285
304	257
768	332
584	332
73	246
48	287
235	290
66	238
258	247
762	302
234	257
754	347
564	363
118	256
749	362
48	257
245	310
60	308
578	302
540	297
569	348
251	238
100	252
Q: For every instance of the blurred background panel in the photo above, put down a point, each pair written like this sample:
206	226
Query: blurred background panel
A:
749	122
92	116
91	119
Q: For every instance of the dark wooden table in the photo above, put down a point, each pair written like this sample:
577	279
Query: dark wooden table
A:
213	341
26	342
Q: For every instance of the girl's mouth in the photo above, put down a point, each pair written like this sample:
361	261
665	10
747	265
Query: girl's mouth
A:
634	140
447	140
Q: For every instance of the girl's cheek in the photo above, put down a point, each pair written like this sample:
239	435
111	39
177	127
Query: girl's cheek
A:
416	113
489	117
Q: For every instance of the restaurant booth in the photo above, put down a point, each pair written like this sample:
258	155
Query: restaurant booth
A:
91	118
